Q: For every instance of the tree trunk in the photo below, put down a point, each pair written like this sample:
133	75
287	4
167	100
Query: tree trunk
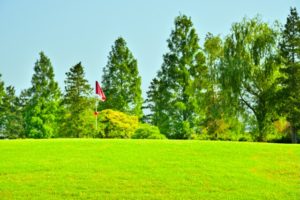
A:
294	134
261	126
261	134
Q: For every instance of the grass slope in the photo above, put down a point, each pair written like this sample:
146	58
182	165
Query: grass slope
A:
147	169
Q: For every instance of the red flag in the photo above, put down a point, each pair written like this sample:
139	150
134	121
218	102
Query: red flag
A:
100	92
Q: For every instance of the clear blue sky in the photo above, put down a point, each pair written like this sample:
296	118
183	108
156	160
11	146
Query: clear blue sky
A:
84	30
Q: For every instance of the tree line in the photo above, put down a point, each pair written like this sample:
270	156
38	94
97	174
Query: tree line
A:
244	86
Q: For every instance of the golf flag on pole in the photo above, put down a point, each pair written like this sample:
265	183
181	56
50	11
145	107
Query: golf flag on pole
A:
100	92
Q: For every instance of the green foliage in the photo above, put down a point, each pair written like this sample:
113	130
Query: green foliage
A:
2	106
218	128
172	96
2	91
282	126
115	124
290	52
41	112
12	123
244	88
77	87
214	50
250	70
156	96
220	121
147	131
11	119
290	41
230	129
121	81
84	126
79	120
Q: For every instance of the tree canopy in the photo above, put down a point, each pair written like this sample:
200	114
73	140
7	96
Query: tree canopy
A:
290	52
243	86
250	69
78	120
41	111
172	95
121	81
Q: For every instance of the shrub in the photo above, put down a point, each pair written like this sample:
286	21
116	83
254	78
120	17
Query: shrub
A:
116	124
157	136
77	126
146	131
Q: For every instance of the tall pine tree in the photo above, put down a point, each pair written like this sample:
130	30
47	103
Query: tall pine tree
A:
173	94
41	112
121	81
290	51
13	123
79	108
2	106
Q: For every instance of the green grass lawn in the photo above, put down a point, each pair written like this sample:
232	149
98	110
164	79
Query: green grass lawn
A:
147	169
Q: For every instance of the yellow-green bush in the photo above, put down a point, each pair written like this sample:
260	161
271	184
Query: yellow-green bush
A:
146	131
115	124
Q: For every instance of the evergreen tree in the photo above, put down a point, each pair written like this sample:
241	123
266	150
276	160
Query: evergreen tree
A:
12	121
2	91
41	112
2	106
250	70
157	95
173	93
121	81
79	119
290	51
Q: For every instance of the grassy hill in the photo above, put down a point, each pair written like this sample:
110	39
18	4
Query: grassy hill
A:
147	169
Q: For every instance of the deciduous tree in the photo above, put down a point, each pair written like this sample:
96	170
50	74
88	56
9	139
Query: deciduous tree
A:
250	70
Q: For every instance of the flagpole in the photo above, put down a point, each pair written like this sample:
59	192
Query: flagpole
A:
96	113
99	93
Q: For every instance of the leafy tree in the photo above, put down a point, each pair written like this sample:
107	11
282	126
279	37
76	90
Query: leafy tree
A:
41	111
214	111
250	70
121	81
290	51
214	50
78	106
220	117
172	97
